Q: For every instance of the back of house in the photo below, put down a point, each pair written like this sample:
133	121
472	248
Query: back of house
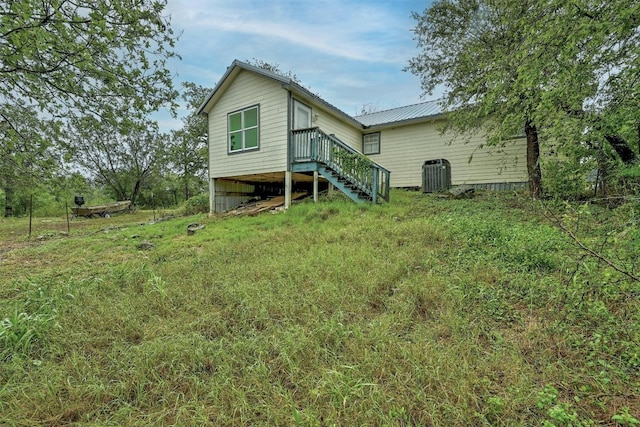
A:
270	136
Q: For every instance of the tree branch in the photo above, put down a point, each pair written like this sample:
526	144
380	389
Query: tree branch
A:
558	223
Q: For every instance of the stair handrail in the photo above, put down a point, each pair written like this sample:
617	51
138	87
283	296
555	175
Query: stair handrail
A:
368	176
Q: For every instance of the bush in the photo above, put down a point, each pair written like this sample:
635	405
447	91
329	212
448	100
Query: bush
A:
197	204
567	180
629	176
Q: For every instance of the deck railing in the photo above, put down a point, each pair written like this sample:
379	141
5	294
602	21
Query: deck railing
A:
313	145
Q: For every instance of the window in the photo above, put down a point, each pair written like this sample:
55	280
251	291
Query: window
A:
371	143
301	116
244	131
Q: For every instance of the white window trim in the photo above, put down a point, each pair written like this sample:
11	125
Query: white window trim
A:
307	109
257	126
364	145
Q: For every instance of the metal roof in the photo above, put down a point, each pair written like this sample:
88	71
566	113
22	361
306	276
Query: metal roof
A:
402	114
429	109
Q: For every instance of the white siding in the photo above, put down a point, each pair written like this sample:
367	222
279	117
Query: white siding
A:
329	124
404	149
246	90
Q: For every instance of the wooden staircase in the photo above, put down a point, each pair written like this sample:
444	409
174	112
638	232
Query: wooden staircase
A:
353	173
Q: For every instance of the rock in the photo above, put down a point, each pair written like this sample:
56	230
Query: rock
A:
462	192
192	228
166	218
146	245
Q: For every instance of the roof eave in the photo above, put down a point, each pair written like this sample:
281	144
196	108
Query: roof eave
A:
430	118
244	66
307	95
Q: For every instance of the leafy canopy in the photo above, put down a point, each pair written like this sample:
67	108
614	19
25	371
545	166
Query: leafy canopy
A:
99	57
188	145
562	66
121	161
65	61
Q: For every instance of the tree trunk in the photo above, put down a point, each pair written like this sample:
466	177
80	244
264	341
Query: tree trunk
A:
187	194
8	209
134	194
603	172
622	148
533	161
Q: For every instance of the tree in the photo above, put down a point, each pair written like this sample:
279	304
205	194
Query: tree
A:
27	157
274	68
121	159
75	58
587	54
188	152
68	57
547	68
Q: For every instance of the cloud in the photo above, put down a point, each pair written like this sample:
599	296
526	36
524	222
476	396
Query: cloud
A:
359	31
351	52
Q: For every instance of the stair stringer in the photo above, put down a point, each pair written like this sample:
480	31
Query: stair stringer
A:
342	184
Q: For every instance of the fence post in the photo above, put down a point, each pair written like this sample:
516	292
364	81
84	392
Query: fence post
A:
66	210
30	213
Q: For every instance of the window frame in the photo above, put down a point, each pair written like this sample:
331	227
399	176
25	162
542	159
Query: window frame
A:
243	129
364	144
299	105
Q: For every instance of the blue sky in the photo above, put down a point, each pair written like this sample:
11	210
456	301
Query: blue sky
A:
350	52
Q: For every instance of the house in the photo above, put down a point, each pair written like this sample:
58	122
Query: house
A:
268	135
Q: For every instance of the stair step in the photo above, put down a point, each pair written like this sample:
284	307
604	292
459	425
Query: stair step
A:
355	192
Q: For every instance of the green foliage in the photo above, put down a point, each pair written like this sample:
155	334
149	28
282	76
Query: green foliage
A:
121	159
557	70
568	179
117	69
624	418
562	414
423	311
27	155
629	176
187	154
114	74
353	164
18	332
197	204
27	322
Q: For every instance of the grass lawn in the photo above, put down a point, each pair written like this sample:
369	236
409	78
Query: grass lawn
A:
422	312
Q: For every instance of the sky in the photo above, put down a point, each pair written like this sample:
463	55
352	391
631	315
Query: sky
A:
350	52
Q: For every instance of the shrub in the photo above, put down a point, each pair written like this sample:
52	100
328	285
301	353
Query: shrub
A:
629	176
568	180
197	204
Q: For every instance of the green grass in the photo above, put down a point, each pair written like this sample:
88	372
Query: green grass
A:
425	311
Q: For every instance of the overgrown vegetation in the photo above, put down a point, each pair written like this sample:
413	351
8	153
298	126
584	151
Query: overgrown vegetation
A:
561	72
424	311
